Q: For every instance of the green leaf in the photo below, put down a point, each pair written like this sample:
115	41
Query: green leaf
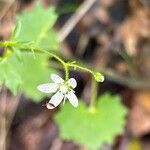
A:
35	30
36	24
27	75
16	30
33	71
13	81
9	77
92	129
50	41
18	54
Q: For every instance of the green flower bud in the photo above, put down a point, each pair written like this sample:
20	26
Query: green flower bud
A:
98	77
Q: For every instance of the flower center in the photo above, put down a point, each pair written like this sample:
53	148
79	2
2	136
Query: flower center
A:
64	89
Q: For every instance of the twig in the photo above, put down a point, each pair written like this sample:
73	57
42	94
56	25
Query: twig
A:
71	23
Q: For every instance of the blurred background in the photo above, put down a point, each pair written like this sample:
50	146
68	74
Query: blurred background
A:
112	36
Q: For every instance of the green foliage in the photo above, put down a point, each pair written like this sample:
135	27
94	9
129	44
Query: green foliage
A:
50	40
36	25
16	31
24	71
18	54
92	129
26	75
9	76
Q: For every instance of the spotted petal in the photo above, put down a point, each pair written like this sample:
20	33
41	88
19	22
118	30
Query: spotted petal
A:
72	98
48	88
56	78
55	100
72	82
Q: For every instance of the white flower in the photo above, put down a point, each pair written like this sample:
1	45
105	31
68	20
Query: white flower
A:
63	90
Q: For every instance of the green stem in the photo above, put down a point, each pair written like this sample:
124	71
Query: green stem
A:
65	65
46	52
27	46
93	95
7	43
80	68
24	46
66	72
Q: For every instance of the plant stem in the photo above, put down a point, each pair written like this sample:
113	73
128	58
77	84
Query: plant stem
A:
93	95
49	53
80	68
66	72
24	46
28	47
65	65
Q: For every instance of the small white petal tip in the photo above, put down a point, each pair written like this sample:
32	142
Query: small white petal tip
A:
72	82
72	99
56	79
50	106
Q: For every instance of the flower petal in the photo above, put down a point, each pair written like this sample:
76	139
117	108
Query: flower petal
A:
72	98
55	100
48	87
56	78
72	82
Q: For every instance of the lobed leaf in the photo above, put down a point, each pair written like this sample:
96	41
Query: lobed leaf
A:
26	75
22	70
92	129
35	25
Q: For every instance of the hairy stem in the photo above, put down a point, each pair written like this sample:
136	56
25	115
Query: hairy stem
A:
29	47
75	66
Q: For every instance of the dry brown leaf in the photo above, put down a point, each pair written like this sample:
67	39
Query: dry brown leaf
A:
135	28
139	116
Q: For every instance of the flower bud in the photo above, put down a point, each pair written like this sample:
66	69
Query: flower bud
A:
98	77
